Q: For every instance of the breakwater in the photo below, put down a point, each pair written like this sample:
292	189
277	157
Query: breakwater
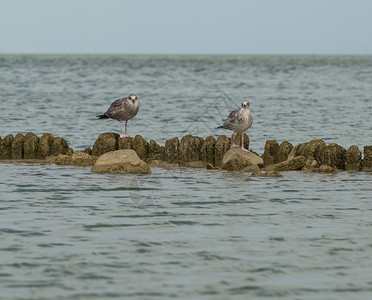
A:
191	151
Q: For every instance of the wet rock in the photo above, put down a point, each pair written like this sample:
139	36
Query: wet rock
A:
208	149
310	163
82	159
156	152
270	153
236	159
333	155
367	158
284	149
125	143
313	148
141	147
252	168
17	146
296	151
292	164
272	174
31	146
105	142
121	161
353	159
45	145
6	147
171	150
88	151
190	147
221	147
326	169
163	164
59	146
63	160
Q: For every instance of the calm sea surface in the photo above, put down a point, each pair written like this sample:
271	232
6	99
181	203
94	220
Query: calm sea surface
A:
66	233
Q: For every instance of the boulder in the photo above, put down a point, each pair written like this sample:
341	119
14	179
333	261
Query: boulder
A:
353	159
190	147
292	164
333	155
326	169
125	143
6	147
17	146
236	159
252	168
270	153
313	148
121	161
63	160
284	149
310	164
163	164
88	151
105	142
367	158
82	159
171	150
31	146
208	149
273	174
221	147
296	151
45	145
141	146
59	146
156	152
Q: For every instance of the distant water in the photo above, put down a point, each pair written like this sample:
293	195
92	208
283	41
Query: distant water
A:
66	233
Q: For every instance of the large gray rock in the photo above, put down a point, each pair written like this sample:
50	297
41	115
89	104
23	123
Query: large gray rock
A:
353	159
121	161
292	164
236	159
367	158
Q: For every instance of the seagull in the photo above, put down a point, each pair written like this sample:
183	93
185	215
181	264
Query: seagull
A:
122	110
239	121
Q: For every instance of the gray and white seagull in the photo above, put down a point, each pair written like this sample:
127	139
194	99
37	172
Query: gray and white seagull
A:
239	121
122	110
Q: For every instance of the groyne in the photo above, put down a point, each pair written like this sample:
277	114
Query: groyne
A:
192	151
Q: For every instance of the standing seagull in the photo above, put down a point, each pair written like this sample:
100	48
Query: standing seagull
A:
239	121
122	110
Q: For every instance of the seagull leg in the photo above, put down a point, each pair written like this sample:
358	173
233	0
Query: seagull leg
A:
125	135
246	150
233	140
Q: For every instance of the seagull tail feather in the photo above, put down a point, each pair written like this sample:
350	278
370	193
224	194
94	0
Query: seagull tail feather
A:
104	116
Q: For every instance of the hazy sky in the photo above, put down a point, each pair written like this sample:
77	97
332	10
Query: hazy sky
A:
186	26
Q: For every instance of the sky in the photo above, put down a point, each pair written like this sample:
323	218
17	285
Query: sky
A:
222	27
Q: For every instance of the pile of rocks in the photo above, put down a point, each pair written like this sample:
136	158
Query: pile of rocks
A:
115	155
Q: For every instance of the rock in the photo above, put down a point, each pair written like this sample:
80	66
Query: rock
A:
270	153
236	159
284	149
326	169
163	164
272	174
313	148
367	159
63	160
292	164
31	146
156	152
190	147
121	161
296	151
171	150
88	151
59	146
256	173
141	146
82	159
17	146
252	168
45	145
6	147
208	149
310	164
221	147
125	143
333	155
353	159
105	142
